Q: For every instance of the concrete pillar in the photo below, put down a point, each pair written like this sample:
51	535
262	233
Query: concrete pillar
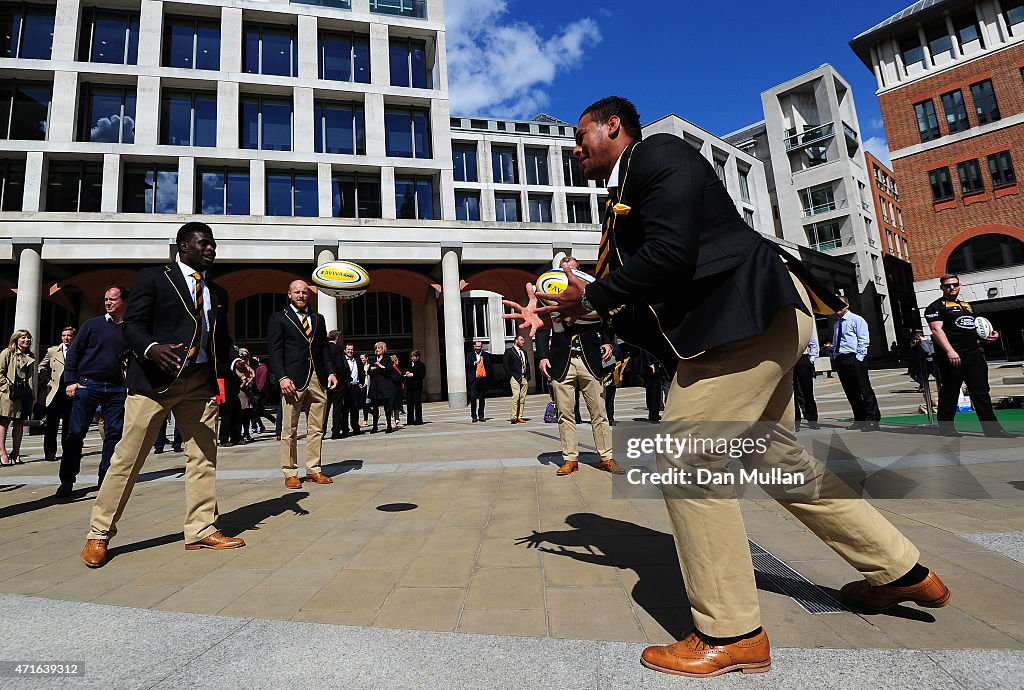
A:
454	350
227	115
1004	29
929	62
324	191
151	33
231	39
325	304
186	184
360	6
65	31
441	66
496	324
110	201
147	111
431	348
257	187
373	110
309	65
30	293
380	63
61	126
388	209
954	38
35	182
302	105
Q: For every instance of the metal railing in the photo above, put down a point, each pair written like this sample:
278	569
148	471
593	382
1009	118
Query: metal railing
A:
824	208
402	8
827	245
809	136
850	132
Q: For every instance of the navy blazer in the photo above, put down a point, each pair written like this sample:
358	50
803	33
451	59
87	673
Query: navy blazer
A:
293	354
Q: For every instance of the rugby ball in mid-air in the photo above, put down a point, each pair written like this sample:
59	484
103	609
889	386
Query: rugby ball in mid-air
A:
341	279
554	282
983	327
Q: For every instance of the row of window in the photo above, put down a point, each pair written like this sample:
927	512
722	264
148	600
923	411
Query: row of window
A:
1000	168
986	110
897	245
508	208
966	36
505	165
26	31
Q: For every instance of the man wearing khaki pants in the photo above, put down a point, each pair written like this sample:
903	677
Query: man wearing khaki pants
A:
299	356
517	366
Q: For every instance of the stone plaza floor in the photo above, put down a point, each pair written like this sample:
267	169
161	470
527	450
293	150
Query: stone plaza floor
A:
450	555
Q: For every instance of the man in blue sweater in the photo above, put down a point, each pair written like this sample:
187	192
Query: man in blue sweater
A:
94	374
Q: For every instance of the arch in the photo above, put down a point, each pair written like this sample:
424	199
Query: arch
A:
246	282
961	237
400	281
92	284
510	283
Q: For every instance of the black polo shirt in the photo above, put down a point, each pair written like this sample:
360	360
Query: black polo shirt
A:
957	319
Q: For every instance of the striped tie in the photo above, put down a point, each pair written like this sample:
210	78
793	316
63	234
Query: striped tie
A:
192	351
604	255
305	323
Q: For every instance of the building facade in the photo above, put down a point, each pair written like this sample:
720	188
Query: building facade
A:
950	77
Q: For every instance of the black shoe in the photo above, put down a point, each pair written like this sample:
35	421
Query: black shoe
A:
357	432
611	422
1002	433
336	436
159	450
579	420
813	425
950	433
475	420
64	490
177	449
389	430
870	426
855	426
229	444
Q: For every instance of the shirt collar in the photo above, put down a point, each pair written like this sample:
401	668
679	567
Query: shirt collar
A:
613	179
295	309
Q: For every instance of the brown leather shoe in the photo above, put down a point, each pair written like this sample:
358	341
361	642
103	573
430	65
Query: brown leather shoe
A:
522	421
95	552
292	483
694	657
215	541
318	478
930	592
610	465
568	467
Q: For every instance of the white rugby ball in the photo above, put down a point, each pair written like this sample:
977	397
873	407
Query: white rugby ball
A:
341	279
983	327
554	282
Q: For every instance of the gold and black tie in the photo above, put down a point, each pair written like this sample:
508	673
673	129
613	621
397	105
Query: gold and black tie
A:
305	323
604	254
194	349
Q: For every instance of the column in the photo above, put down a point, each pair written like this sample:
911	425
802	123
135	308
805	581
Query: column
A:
309	65
65	31
496	325
324	191
380	58
186	184
376	143
151	29
231	40
954	38
257	187
302	104
454	350
431	348
325	304
147	111
30	290
35	182
227	115
110	201
61	126
388	208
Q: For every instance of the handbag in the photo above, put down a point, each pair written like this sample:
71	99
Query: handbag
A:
19	390
481	369
551	413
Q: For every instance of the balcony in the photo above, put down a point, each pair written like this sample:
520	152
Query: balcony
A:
401	8
850	133
810	136
827	245
824	208
336	4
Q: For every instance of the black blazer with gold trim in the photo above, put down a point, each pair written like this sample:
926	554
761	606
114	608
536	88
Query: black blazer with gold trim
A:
295	356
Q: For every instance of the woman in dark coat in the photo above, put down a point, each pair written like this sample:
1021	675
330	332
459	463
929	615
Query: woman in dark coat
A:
381	387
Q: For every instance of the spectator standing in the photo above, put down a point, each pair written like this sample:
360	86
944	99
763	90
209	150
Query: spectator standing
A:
17	391
56	400
803	385
415	373
517	366
478	371
850	341
381	386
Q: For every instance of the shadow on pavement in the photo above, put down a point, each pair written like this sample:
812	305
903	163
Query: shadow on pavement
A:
246	518
335	468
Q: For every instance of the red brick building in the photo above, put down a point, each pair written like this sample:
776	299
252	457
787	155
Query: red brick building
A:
950	79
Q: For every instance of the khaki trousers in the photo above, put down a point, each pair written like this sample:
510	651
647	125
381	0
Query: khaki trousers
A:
518	398
740	384
578	376
313	401
192	402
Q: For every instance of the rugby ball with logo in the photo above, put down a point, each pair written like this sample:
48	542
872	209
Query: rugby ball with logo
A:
554	282
983	327
341	279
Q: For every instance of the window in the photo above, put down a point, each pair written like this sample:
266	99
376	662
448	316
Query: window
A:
504	165
222	191
464	159
906	251
12	185
956	111
1014	12
719	169
150	189
74	187
824	236
888	238
292	194
408	63
26	31
912	51
407	132
475	324
24	110
266	124
942	186
969	173
540	208
414	197
744	186
506	208
191	43
188	119
578	208
939	41
748	217
899	218
344	57
537	166
467	206
108	115
340	128
403	8
336	4
881	202
270	50
927	122
985	101
1000	166
966	26
572	170
821	199
355	196
110	37
986	252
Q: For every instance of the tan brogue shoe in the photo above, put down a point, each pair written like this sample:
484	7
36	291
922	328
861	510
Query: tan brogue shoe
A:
215	541
568	467
522	420
292	483
610	465
95	552
694	657
318	478
930	592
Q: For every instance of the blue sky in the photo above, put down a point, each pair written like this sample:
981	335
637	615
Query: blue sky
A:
706	62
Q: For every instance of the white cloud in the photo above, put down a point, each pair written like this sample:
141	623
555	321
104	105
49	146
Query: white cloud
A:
879	148
499	67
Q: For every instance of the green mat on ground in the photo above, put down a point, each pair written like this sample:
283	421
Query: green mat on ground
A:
1012	420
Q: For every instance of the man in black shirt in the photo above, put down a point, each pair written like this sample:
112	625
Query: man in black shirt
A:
960	359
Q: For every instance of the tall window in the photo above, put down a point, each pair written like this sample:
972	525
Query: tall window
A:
719	169
150	189
748	217
110	37
188	119
475	324
572	170
824	236
956	111
1000	166
266	124
292	194
540	208
270	50
966	26
506	208
1013	10
414	197
74	187
969	173
912	51
12	185
24	109
404	8
344	57
467	206
26	31
191	43
407	132
537	167
464	159
744	186
939	41
408	63
355	196
579	209
927	122
504	164
340	128
942	185
108	115
222	191
985	101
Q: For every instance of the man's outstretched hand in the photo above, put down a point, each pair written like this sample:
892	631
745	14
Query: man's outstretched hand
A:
527	315
566	306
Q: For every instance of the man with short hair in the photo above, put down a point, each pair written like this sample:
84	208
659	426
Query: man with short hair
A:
415	373
850	341
478	371
349	394
803	385
55	398
517	366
